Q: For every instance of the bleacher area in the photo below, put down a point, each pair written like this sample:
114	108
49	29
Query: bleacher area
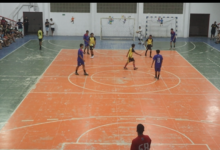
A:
8	32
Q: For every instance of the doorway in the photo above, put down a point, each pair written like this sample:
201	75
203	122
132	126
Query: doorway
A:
35	21
199	25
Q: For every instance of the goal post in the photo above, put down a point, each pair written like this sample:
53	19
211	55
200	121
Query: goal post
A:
118	29
156	29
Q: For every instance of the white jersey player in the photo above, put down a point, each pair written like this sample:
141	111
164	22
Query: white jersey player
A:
140	35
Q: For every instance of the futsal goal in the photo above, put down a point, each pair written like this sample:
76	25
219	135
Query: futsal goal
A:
117	28
156	29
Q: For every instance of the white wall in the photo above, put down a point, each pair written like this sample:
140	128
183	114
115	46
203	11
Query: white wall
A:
207	8
91	21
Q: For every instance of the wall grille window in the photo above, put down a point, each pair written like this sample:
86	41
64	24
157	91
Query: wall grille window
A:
116	7
70	7
163	8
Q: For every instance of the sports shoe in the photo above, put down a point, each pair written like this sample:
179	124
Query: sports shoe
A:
88	53
125	68
150	56
76	73
86	74
135	68
92	56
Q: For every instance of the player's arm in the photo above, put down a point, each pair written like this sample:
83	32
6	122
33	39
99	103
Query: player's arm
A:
127	54
81	57
137	53
152	63
94	42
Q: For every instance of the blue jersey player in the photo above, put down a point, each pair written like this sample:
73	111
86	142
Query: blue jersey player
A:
158	63
80	60
86	42
173	38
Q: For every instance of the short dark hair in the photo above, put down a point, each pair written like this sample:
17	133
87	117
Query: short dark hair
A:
81	45
171	28
158	51
133	45
150	35
87	30
140	129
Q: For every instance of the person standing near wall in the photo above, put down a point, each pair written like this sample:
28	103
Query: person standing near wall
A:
20	27
26	24
52	26
214	26
47	26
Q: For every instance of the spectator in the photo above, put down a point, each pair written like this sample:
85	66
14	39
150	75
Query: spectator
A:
3	21
214	26
20	28
52	26
47	26
142	142
26	24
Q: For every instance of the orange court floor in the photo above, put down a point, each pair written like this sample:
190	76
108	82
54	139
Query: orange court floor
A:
101	111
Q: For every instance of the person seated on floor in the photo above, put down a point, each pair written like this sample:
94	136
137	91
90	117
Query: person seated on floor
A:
4	44
6	39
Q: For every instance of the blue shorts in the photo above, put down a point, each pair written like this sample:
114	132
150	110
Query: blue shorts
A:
157	69
171	40
86	44
47	28
79	63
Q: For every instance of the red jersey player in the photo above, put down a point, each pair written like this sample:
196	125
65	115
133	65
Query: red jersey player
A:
142	142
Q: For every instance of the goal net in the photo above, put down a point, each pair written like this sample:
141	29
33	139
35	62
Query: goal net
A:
156	29
117	28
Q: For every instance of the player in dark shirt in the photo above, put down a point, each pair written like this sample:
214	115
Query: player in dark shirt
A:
80	61
142	142
214	26
158	63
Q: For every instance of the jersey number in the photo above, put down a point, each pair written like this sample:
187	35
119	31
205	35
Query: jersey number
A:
158	60
40	33
144	146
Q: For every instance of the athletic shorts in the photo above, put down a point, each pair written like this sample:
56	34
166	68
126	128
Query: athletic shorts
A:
130	59
47	28
171	40
20	30
91	47
86	44
149	47
81	62
52	29
157	69
40	40
161	23
213	32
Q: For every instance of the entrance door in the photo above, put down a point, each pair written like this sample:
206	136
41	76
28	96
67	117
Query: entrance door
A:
35	21
199	25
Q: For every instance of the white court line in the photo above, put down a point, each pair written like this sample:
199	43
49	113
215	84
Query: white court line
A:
213	62
32	87
53	119
212	47
14	50
122	92
95	117
132	123
198	71
26	120
57	45
194	46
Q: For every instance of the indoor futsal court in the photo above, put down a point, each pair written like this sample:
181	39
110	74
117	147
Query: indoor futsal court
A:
44	105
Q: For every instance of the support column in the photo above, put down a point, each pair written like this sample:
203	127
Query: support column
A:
186	20
140	12
92	16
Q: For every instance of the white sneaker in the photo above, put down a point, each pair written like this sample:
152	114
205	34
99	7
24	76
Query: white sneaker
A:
92	56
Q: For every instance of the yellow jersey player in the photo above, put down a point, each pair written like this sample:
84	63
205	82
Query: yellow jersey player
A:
130	57
40	36
149	44
92	42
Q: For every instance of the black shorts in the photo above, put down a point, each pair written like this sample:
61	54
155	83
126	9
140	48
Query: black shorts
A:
52	29
91	47
130	59
149	47
40	40
212	32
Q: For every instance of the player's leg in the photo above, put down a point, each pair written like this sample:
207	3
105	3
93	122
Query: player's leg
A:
146	51
155	73
158	75
88	50
76	73
135	68
125	67
139	40
174	42
91	49
171	44
150	53
86	74
84	48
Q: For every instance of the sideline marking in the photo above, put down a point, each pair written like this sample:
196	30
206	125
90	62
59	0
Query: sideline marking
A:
32	87
198	71
14	50
213	62
212	47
